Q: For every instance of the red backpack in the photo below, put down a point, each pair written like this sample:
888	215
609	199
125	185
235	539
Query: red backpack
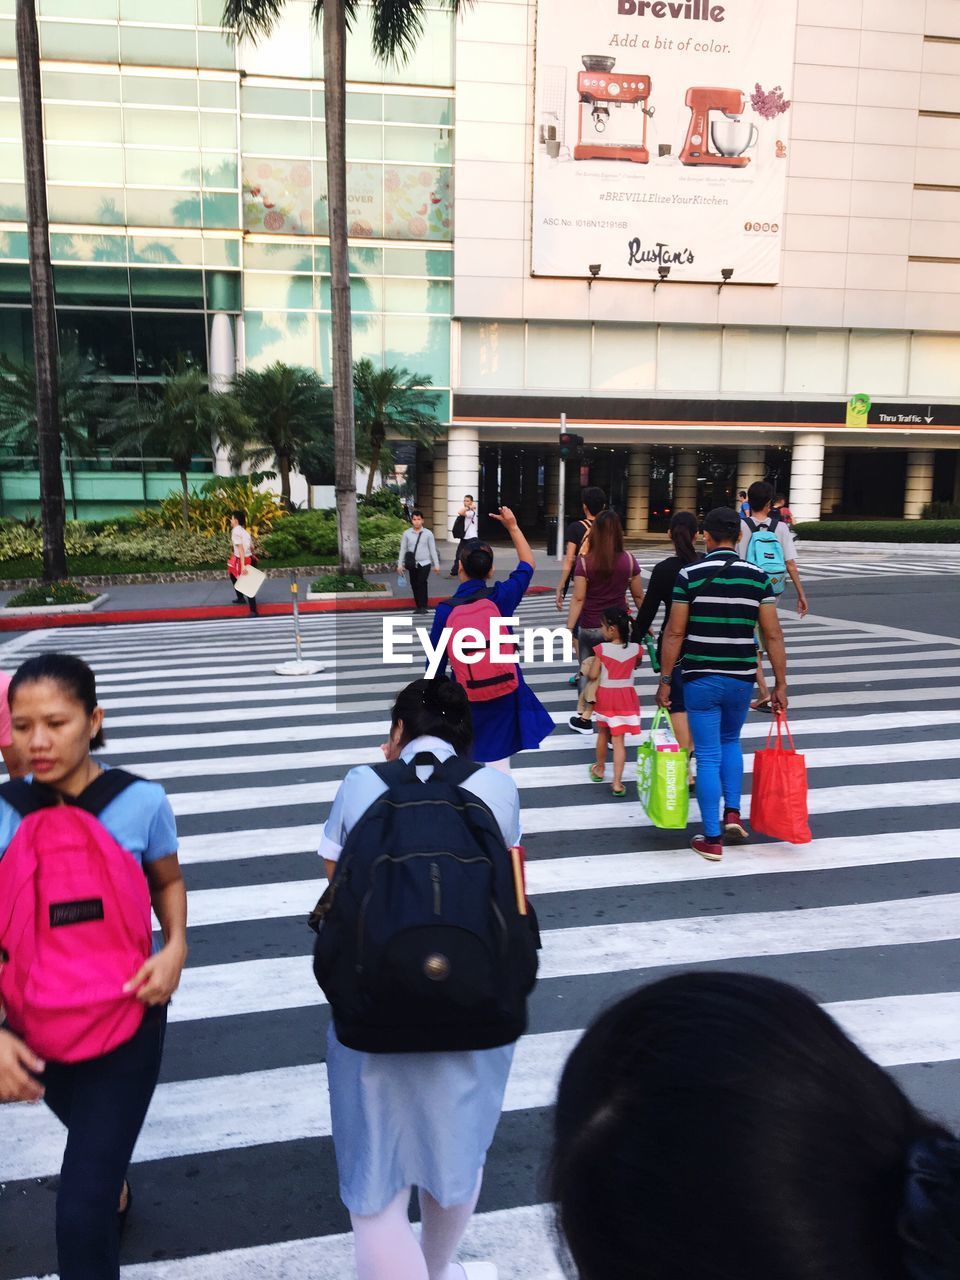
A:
484	679
75	923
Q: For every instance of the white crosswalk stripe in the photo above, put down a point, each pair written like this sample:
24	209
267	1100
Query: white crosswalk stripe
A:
251	762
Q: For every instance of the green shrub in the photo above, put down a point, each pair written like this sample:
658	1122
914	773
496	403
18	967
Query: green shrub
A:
210	509
384	500
340	583
941	511
50	593
879	531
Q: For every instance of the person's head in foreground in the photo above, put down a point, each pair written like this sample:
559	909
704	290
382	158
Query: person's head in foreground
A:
429	708
476	560
721	1126
721	528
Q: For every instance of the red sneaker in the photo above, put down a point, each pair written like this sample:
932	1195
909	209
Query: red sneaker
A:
712	850
735	830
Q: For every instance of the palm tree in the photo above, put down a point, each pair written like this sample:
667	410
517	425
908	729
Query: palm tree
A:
397	26
180	420
391	401
287	409
85	404
52	514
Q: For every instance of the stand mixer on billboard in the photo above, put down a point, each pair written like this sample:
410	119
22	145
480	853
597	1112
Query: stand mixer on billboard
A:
662	137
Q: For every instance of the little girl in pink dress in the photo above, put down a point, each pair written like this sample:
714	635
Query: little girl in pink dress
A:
617	710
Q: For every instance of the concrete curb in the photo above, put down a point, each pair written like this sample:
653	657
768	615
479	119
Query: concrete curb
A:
208	613
52	610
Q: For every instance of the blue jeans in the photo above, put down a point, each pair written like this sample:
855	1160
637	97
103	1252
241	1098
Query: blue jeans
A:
103	1103
717	706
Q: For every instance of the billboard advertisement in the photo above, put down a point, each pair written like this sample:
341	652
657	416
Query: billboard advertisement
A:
661	138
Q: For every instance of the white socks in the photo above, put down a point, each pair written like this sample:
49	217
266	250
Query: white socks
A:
387	1249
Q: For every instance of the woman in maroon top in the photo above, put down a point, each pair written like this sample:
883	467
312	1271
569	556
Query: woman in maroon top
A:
601	580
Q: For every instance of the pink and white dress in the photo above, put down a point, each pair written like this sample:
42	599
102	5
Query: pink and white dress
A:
618	706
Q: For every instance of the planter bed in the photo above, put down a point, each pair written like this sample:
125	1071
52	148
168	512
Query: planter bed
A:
48	609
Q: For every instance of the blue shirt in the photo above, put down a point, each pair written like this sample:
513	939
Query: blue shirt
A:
518	721
139	819
361	787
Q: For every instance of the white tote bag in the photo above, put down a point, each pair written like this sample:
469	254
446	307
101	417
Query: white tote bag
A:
250	581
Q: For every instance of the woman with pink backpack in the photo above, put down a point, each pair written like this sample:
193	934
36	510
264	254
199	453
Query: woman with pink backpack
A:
82	990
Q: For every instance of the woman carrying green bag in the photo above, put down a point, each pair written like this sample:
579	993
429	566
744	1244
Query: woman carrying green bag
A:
662	775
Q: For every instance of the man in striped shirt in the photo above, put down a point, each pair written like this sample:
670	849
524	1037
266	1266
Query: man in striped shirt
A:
717	605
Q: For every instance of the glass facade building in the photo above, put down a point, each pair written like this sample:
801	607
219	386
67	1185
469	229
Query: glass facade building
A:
187	199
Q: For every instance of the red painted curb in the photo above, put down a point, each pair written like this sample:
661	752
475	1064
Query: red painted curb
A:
208	613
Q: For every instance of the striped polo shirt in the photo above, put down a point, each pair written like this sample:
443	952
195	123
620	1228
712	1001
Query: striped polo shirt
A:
724	607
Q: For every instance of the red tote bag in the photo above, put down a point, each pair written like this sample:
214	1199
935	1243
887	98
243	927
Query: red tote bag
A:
778	804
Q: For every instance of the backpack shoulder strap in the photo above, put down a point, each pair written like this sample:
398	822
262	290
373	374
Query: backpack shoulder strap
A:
751	523
457	771
101	791
773	519
28	797
484	593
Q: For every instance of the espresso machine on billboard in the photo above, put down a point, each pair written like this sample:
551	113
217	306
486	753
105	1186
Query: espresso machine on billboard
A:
606	131
729	133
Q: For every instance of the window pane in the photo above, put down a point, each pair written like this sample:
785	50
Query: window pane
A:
82	124
13	207
11	162
218	130
215	51
430	296
159	339
275	137
68	9
275	102
366	294
319	104
284	291
9	88
368	338
417	262
407	110
217	93
87	248
276	196
430	145
364	106
166	249
279	335
223	290
220	169
71	42
91	286
365	141
176	290
364	200
277	257
13	244
166	168
221	210
16	335
221	253
86	204
420	345
319	140
163	208
81	88
85	164
164	91
154	46
363	262
103	336
156	128
419	203
174	11
14	284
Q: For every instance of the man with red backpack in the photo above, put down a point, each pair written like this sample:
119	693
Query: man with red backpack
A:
507	715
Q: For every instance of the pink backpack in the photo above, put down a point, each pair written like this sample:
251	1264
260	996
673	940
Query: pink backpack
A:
484	679
75	923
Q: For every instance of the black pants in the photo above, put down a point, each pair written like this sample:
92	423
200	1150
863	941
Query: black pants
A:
103	1104
250	600
419	578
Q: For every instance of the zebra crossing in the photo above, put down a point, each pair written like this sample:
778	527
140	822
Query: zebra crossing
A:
234	1171
823	566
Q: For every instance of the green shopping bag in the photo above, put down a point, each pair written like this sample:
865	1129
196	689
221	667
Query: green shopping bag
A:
662	777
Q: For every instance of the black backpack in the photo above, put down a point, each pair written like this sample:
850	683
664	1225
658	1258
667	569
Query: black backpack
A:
459	527
421	944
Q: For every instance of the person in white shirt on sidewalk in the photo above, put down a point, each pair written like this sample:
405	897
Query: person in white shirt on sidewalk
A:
471	529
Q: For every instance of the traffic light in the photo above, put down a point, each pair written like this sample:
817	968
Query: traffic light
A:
570	445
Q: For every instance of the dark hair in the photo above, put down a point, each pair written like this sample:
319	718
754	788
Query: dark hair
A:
594	499
416	512
620	620
760	495
468	497
683	530
742	493
780	498
606	545
723	1125
478	560
438	708
240	517
722	523
72	674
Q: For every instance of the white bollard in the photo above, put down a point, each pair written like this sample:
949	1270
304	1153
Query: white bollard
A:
299	666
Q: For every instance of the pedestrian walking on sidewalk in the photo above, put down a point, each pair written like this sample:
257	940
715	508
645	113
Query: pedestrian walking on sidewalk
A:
418	554
617	709
717	605
241	556
684	529
466	528
601	580
418	1119
672	1098
516	720
93	1061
